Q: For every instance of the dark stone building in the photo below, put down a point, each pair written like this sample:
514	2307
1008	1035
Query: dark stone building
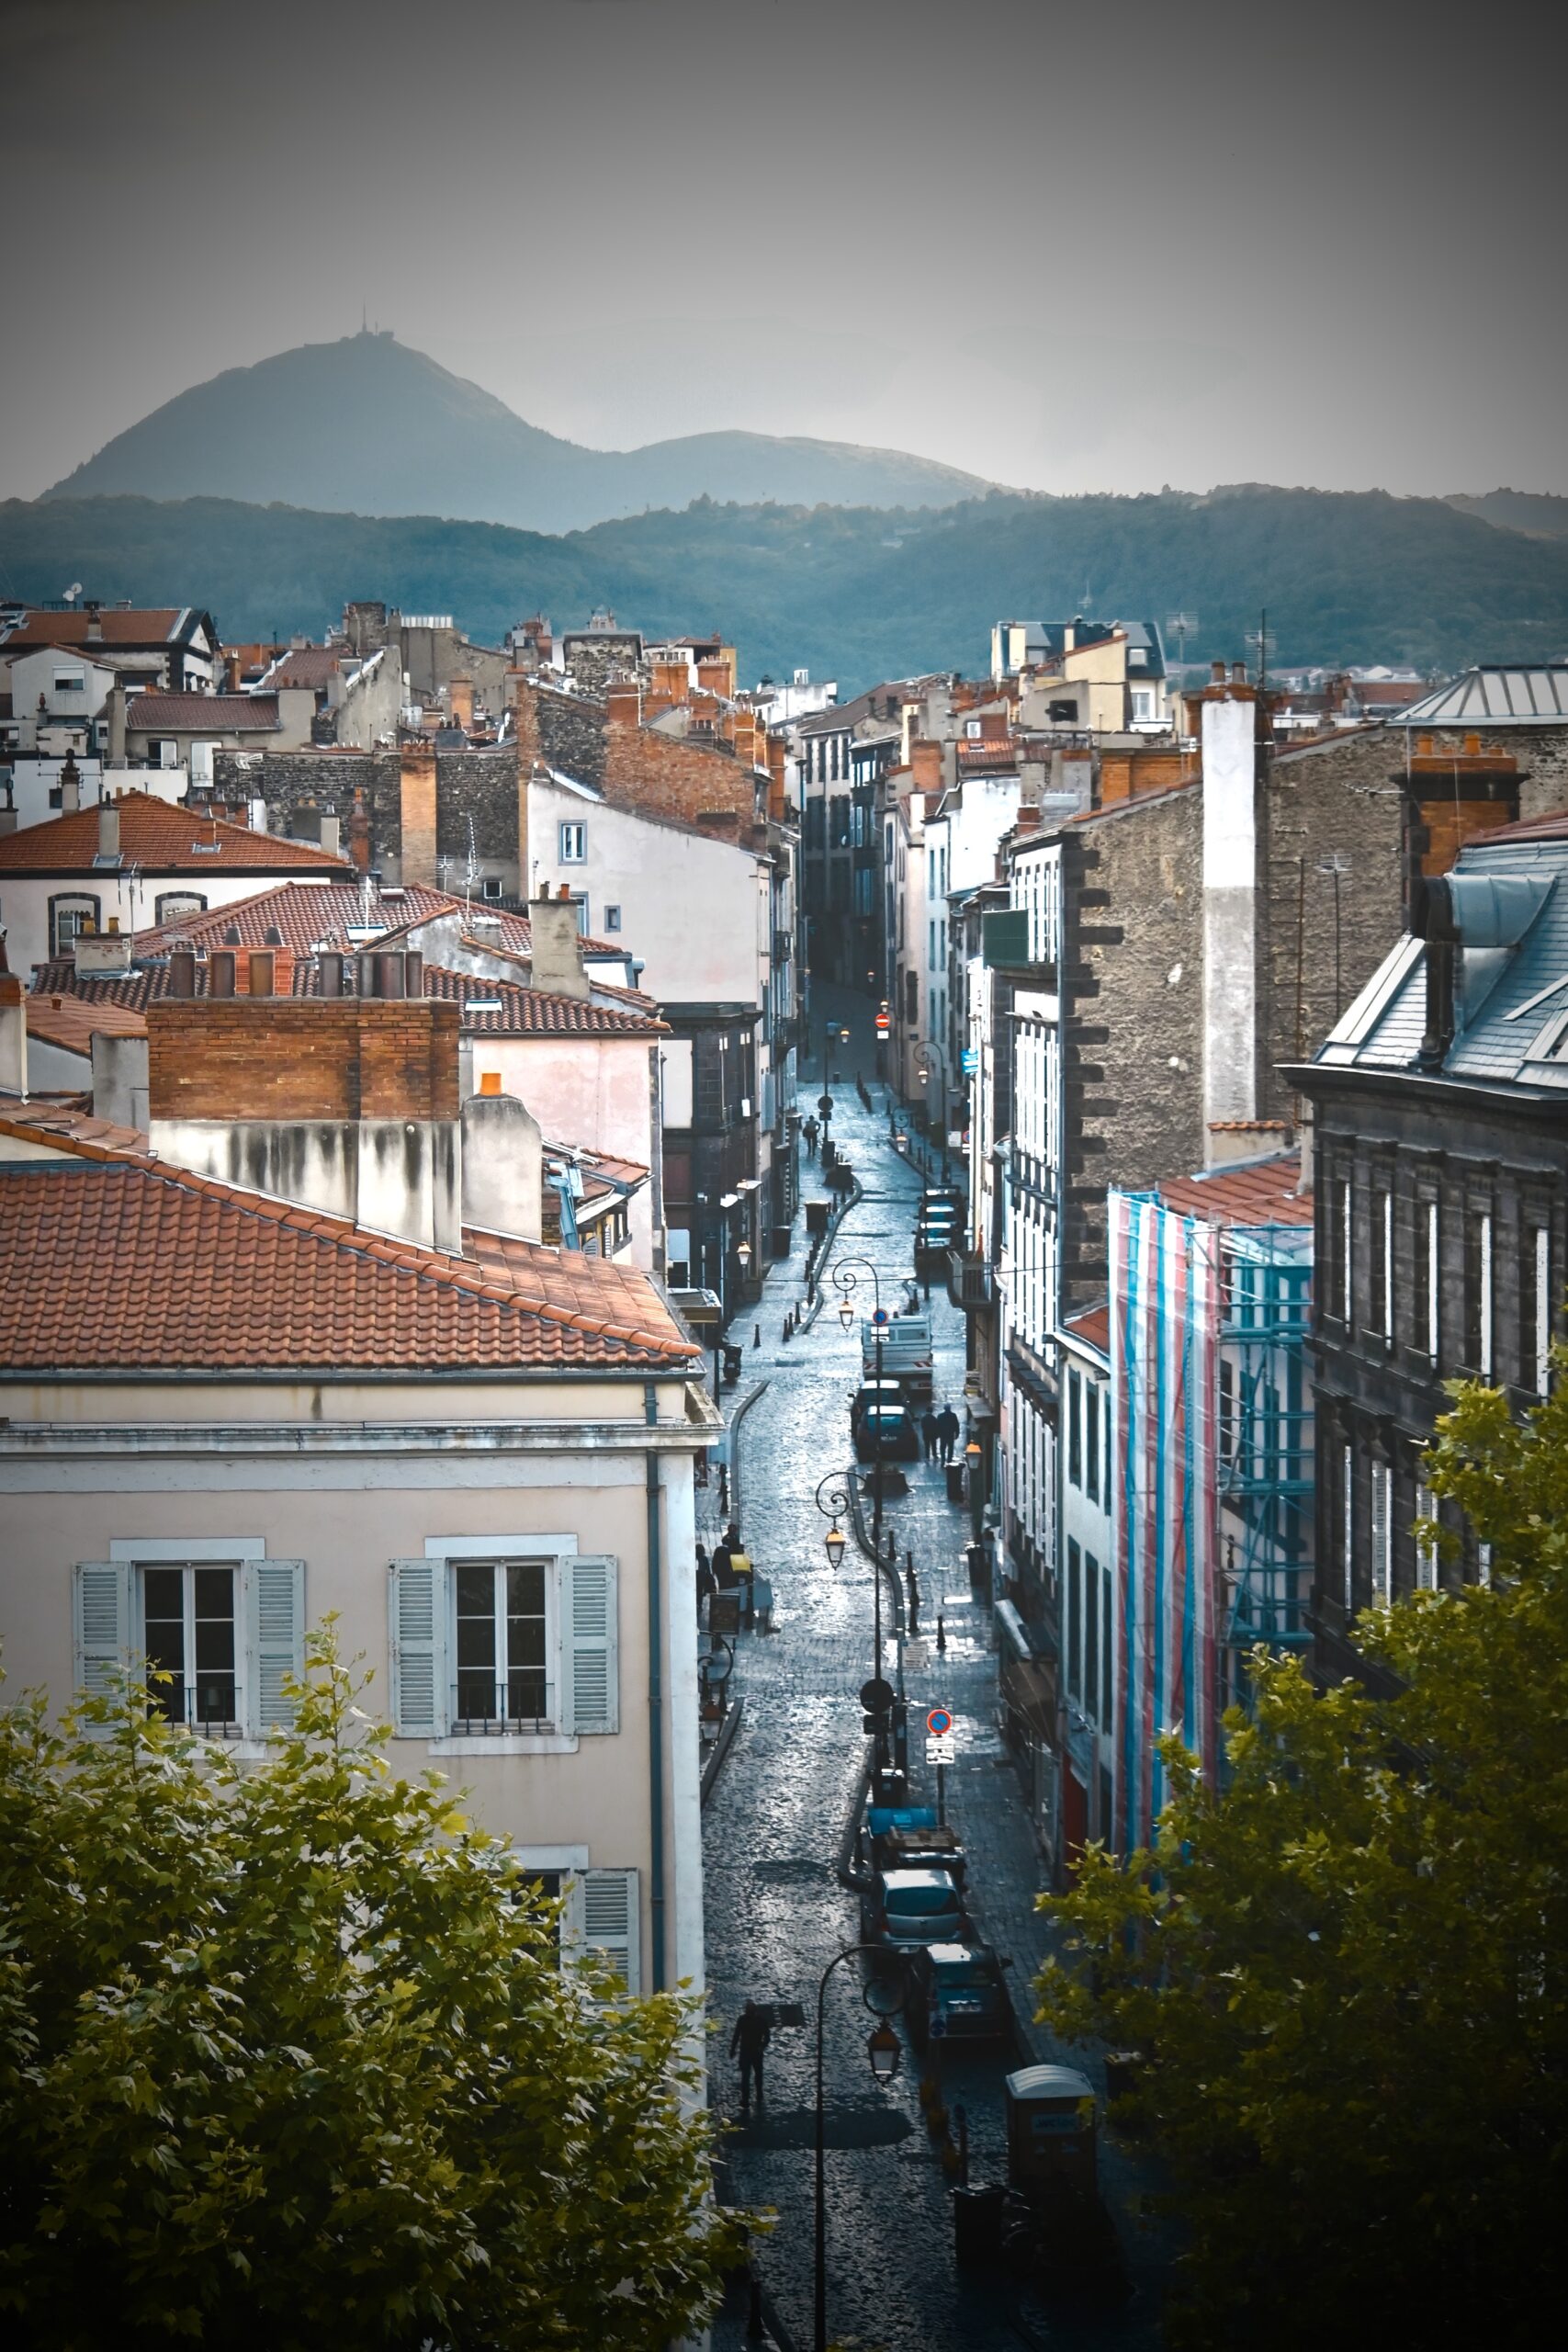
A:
1441	1107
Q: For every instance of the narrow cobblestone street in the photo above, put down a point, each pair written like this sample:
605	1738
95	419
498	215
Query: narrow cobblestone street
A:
776	1910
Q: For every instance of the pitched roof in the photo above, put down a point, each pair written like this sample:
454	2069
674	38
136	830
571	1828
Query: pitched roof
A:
71	1023
1496	694
160	837
305	665
152	627
110	1263
532	1013
1262	1191
1093	1327
208	713
64	1120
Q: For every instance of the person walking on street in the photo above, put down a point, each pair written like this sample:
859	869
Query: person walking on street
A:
751	2036
947	1428
811	1131
928	1432
707	1585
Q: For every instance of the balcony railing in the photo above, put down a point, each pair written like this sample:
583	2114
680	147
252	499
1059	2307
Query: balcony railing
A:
971	1281
480	1707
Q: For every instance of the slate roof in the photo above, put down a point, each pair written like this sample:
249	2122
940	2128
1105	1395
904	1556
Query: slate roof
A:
112	1264
203	714
1511	1001
158	836
1259	1192
1496	694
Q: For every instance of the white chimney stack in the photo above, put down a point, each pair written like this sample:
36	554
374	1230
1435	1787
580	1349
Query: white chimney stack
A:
1230	907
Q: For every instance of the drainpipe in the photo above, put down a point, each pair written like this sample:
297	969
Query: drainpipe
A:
655	1696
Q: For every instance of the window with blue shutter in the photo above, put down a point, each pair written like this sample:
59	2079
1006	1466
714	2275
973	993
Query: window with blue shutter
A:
591	1673
417	1616
275	1636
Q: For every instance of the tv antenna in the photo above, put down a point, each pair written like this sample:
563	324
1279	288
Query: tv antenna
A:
1259	638
471	873
1181	626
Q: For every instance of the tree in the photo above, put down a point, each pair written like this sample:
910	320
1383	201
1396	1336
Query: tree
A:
1344	1970
289	2058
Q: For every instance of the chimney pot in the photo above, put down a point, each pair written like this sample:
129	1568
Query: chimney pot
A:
1216	673
330	966
1473	747
490	1081
182	971
1238	674
259	972
221	966
413	972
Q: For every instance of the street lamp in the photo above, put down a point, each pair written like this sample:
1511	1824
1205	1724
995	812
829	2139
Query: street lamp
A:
844	1284
882	2049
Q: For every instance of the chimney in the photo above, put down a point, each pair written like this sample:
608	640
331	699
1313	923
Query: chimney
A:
182	972
115	709
1230	914
94	623
108	829
119	1079
1449	796
359	831
416	808
12	1034
1216	673
623	702
503	1163
1238	674
557	959
70	788
460	702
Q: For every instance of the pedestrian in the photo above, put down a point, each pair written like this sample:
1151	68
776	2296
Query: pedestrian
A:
947	1426
707	1585
751	2036
724	1575
929	1430
740	1569
912	1587
811	1131
762	1603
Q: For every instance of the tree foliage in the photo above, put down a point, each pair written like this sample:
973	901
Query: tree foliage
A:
289	2059
1345	1971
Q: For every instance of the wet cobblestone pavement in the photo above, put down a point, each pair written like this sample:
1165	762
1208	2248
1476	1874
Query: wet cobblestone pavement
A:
776	1910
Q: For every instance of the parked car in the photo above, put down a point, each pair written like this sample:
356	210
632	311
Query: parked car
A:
880	1421
906	1908
906	1350
956	1994
912	1838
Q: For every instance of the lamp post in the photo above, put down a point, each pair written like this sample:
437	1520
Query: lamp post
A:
882	2049
844	1284
928	1053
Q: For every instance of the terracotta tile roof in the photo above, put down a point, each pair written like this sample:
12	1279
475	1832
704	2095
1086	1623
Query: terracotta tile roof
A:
636	999
150	628
210	714
532	1012
1093	1326
116	1264
626	1175
1261	1193
158	836
305	665
1551	827
67	1119
72	1022
308	914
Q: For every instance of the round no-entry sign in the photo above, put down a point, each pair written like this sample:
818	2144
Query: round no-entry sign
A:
939	1722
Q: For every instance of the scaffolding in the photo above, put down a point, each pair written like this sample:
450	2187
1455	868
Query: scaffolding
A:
1264	1465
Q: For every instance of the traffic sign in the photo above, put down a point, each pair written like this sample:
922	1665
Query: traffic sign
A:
939	1722
877	1696
971	1061
941	1751
825	1105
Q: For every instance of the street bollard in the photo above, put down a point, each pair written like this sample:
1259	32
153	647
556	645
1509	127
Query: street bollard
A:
941	1635
756	1334
961	2120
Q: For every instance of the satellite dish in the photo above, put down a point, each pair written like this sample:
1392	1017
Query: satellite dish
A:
74	591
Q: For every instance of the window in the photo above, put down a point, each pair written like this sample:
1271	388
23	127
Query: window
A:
1426	1550
70	681
1347	1258
1091	1445
1478	1291
1535	1306
1075	1429
171	903
1105	1649
1382	1531
502	1643
187	1632
1091	1629
227	1634
611	919
574	844
1348	1524
1380	1244
1227	1409
1424	1318
69	915
488	1648
1142	704
1075	1615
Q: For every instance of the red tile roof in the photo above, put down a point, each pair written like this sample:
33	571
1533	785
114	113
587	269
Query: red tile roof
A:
305	665
150	628
308	914
116	1264
1261	1193
207	714
1092	1325
532	1012
66	1119
158	836
1551	827
72	1022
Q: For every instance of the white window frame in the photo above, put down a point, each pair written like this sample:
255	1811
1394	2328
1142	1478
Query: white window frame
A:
548	1720
1383	1530
419	1635
1486	1295
269	1621
1385	1242
571	837
1433	1324
1426	1551
1347	1512
1543	1315
1347	1241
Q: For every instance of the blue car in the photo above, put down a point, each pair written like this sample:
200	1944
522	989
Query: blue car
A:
956	1995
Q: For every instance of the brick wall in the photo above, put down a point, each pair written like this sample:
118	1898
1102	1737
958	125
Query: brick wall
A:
272	1058
416	786
634	767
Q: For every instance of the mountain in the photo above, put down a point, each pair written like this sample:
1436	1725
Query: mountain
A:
1534	512
367	426
857	593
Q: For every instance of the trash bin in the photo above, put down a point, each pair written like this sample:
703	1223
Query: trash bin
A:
733	1358
955	1482
816	1214
977	2225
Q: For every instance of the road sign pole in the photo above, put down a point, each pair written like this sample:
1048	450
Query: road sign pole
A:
942	1796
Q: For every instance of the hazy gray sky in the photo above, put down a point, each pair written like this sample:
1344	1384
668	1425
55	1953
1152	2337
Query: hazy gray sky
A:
1080	248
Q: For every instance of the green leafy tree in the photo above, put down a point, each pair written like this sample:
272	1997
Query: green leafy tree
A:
1347	1970
289	2059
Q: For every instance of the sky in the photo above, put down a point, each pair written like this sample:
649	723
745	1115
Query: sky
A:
1068	248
